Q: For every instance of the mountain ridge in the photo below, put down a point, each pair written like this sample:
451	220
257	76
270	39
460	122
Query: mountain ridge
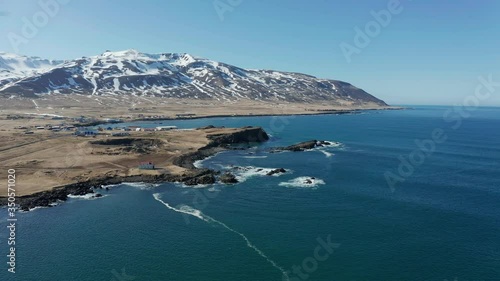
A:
169	75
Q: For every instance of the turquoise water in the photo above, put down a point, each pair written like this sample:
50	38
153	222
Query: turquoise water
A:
441	223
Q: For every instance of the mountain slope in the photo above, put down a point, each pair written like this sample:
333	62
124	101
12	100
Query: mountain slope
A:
15	67
168	75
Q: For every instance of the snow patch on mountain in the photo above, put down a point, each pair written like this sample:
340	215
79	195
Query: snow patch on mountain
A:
177	75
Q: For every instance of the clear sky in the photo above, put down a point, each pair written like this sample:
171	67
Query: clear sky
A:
431	51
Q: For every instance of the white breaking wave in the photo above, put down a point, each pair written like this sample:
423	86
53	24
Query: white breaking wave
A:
255	157
40	207
198	214
323	149
88	196
33	209
198	186
199	163
326	153
244	173
213	189
309	182
141	185
109	186
334	144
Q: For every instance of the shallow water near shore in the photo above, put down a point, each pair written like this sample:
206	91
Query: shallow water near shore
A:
442	222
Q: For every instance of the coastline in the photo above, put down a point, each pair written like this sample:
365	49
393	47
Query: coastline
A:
310	113
193	176
313	113
186	160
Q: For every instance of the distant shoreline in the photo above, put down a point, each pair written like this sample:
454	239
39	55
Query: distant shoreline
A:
325	112
313	113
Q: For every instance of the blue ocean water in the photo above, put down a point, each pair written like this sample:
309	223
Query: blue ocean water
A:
440	222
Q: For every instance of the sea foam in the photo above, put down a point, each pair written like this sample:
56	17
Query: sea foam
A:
141	185
244	173
334	144
255	157
199	163
184	209
326	153
303	182
323	149
88	196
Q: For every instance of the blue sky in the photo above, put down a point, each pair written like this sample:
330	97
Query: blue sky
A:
431	52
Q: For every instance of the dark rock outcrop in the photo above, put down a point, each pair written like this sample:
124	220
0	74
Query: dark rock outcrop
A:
228	178
276	171
206	127
302	146
221	142
205	178
187	160
246	135
47	198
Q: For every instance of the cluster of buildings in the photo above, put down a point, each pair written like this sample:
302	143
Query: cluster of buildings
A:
163	117
119	131
138	129
53	128
159	128
152	117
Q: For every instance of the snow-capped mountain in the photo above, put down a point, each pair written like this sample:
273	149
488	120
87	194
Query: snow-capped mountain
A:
15	67
167	75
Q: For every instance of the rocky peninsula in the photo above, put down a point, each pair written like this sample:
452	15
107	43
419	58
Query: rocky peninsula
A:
302	146
179	150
